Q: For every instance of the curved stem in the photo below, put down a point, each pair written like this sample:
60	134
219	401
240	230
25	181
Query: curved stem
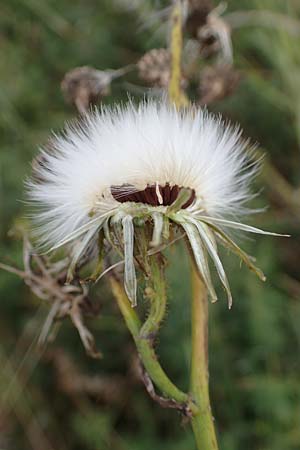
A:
202	421
146	351
156	293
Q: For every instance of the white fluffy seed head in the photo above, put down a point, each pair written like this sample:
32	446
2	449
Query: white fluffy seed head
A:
138	146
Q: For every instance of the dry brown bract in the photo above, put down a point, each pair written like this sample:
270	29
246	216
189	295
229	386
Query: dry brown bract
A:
47	280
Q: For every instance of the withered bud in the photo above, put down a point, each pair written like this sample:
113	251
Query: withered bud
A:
198	11
85	85
154	67
217	82
215	37
208	40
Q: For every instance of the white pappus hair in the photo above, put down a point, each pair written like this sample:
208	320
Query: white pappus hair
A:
131	148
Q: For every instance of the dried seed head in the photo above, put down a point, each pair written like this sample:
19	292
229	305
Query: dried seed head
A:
146	164
154	67
136	148
85	85
217	82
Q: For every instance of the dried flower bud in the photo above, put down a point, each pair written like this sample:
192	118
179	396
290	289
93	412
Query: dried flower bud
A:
217	82
209	43
215	37
85	85
154	67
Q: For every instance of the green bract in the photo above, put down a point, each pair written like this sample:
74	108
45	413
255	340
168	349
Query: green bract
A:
203	234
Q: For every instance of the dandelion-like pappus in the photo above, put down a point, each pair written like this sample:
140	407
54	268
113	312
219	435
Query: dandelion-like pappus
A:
118	169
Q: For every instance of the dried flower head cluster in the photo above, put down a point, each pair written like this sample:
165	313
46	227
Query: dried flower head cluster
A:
209	38
120	168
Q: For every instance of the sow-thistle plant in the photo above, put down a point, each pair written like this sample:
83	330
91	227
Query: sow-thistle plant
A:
127	182
130	181
177	173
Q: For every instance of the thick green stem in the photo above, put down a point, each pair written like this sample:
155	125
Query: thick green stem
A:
202	421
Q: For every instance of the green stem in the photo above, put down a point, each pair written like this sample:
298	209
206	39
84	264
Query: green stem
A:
202	421
142	336
156	293
176	95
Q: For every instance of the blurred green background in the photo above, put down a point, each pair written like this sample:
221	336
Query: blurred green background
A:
62	399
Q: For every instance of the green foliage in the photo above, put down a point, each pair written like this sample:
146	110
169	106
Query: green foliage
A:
254	349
